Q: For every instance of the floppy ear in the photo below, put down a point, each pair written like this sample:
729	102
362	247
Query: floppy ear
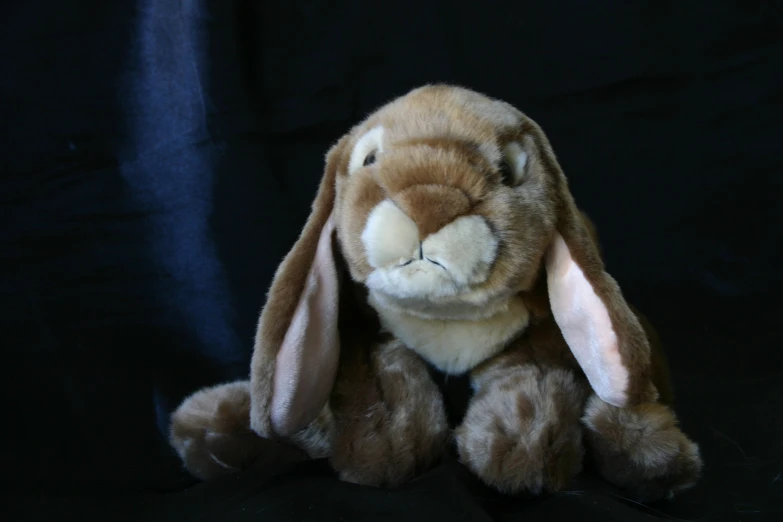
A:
297	343
602	331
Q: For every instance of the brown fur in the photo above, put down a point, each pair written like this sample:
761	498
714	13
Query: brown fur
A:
286	288
210	432
521	431
392	424
623	442
433	206
641	449
634	346
384	422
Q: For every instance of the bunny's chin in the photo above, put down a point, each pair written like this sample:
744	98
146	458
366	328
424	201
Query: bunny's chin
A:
453	334
440	309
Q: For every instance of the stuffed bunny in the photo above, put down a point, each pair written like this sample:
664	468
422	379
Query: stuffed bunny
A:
444	240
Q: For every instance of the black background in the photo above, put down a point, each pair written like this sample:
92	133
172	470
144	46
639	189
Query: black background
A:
158	158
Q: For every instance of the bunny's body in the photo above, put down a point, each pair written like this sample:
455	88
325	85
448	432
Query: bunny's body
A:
444	233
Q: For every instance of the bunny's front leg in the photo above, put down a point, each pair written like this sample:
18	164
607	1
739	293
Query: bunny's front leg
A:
522	432
389	415
641	449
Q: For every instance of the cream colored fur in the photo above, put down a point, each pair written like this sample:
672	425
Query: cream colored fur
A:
446	264
371	141
517	159
390	237
455	346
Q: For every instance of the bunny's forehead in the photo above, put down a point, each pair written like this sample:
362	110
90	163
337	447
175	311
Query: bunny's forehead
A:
440	112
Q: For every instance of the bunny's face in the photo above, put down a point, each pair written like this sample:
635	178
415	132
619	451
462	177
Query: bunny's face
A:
439	211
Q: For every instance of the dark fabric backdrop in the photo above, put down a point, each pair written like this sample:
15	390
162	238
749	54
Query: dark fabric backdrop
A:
158	158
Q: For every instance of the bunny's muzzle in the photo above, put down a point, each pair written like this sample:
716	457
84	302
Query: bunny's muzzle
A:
425	244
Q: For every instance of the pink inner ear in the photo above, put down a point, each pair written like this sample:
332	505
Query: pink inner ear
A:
585	324
307	360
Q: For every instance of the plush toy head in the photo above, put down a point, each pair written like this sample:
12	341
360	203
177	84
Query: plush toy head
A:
445	204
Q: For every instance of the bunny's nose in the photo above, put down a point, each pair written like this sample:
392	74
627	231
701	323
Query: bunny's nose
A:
432	207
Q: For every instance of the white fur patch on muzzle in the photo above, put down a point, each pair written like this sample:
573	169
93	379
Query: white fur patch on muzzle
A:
446	264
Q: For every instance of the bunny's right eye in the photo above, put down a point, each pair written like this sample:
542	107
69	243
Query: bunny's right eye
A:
370	159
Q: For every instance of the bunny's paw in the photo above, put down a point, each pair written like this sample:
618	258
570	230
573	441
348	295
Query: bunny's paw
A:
521	433
210	431
641	449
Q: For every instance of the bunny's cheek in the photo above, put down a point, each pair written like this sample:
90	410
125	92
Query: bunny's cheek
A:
466	248
390	237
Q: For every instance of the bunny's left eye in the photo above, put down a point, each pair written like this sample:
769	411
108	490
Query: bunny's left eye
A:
370	159
506	173
513	168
